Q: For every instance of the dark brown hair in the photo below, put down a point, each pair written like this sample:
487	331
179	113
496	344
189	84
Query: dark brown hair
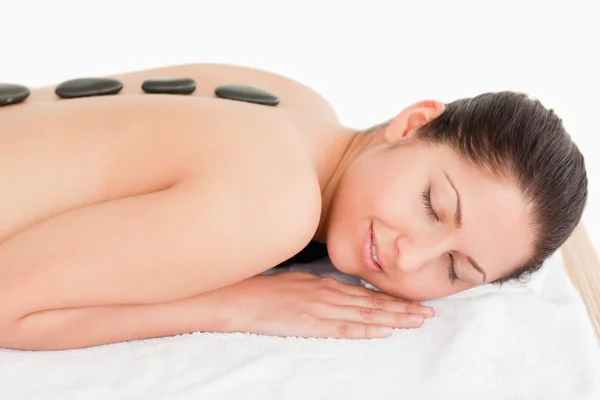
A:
515	136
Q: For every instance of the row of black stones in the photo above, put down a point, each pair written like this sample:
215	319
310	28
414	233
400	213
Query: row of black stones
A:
88	87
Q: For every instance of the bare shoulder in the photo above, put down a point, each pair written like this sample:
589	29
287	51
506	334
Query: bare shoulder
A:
270	168
254	168
268	209
209	76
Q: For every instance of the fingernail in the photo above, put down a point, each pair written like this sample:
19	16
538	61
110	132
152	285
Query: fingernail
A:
417	319
427	312
387	331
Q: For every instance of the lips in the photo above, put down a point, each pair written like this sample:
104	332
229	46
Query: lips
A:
375	250
370	252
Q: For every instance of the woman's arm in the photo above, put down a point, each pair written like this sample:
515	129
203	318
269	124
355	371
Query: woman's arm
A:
73	328
284	304
206	232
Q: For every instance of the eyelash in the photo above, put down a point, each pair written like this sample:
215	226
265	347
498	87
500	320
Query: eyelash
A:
426	196
451	272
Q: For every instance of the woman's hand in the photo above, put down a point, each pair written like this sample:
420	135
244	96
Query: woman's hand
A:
304	305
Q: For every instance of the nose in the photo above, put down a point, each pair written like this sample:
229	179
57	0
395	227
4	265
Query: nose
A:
412	255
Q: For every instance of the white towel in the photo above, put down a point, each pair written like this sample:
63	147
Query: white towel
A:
488	343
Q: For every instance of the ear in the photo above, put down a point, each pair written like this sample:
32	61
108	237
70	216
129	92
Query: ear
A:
411	119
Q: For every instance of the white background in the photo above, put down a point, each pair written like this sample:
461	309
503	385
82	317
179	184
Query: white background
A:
369	58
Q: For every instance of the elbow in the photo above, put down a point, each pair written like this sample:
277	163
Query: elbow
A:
12	340
19	334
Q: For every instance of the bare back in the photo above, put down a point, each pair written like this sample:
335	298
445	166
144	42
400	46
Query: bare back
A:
57	155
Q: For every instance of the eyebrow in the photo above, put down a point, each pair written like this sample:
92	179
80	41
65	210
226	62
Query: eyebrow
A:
458	212
477	267
458	224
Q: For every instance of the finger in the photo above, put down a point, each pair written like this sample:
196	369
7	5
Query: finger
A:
362	291
351	330
370	316
377	299
361	296
396	306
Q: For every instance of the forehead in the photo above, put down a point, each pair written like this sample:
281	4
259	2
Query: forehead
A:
496	228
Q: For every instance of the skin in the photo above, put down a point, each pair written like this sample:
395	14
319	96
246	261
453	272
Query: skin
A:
143	225
381	184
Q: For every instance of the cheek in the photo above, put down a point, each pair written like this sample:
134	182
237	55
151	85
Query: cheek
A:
359	190
398	203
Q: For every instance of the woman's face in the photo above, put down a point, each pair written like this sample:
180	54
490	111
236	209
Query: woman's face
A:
436	224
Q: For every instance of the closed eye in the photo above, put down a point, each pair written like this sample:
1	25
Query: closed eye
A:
451	271
426	197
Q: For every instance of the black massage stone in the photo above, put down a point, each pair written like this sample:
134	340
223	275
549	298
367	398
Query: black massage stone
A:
87	87
12	94
246	93
169	85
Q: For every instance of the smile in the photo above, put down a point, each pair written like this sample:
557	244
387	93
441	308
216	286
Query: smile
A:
370	252
374	254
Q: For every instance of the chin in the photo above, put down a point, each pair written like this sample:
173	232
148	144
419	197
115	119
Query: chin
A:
340	266
340	256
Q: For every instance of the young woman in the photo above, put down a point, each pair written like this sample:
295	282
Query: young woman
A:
136	215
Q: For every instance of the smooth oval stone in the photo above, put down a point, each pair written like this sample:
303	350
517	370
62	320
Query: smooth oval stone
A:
169	85
246	93
87	87
12	94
